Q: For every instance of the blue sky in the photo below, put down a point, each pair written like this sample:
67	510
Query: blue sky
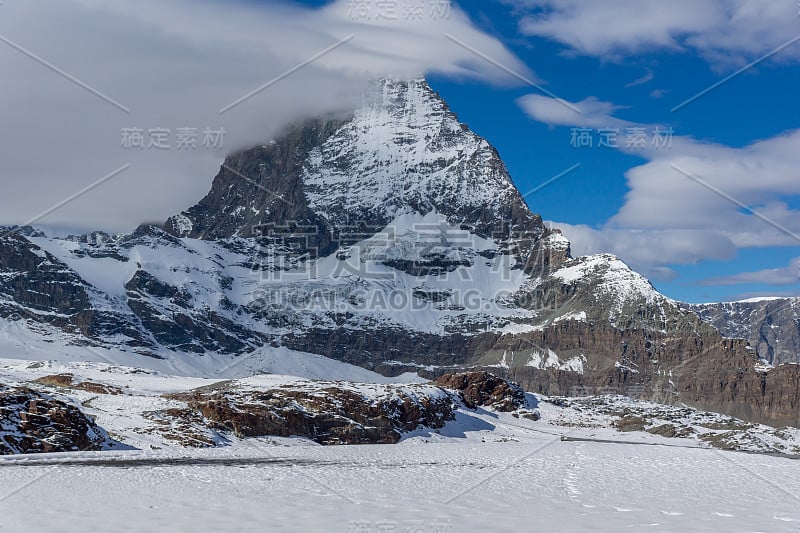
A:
646	80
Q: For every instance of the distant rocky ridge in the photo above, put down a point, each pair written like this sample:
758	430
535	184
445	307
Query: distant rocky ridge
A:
771	325
393	238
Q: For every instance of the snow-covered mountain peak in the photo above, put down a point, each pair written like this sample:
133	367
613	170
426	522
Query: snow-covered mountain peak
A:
404	149
409	100
612	273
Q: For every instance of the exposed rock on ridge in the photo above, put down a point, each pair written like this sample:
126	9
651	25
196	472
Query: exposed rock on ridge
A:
772	326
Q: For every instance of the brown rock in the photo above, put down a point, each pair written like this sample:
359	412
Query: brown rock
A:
333	415
31	422
482	389
630	423
68	381
664	430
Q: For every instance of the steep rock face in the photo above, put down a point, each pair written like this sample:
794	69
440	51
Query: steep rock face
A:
35	282
150	292
169	314
37	287
262	188
771	325
703	370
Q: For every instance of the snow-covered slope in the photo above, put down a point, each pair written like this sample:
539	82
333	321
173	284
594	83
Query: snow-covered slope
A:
565	464
541	484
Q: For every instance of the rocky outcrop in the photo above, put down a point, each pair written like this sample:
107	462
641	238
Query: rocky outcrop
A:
482	389
170	316
68	381
343	413
31	422
327	413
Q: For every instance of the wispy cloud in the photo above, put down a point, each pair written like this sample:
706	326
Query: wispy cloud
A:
720	30
641	81
593	113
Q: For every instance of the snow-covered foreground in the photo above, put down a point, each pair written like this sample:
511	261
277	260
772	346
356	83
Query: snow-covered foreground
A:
541	485
483	471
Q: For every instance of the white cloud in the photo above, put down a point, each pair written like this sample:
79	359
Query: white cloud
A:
650	251
176	63
723	180
692	202
788	275
648	76
721	30
589	113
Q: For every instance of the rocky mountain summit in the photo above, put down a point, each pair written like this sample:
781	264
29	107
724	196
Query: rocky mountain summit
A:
391	237
339	178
